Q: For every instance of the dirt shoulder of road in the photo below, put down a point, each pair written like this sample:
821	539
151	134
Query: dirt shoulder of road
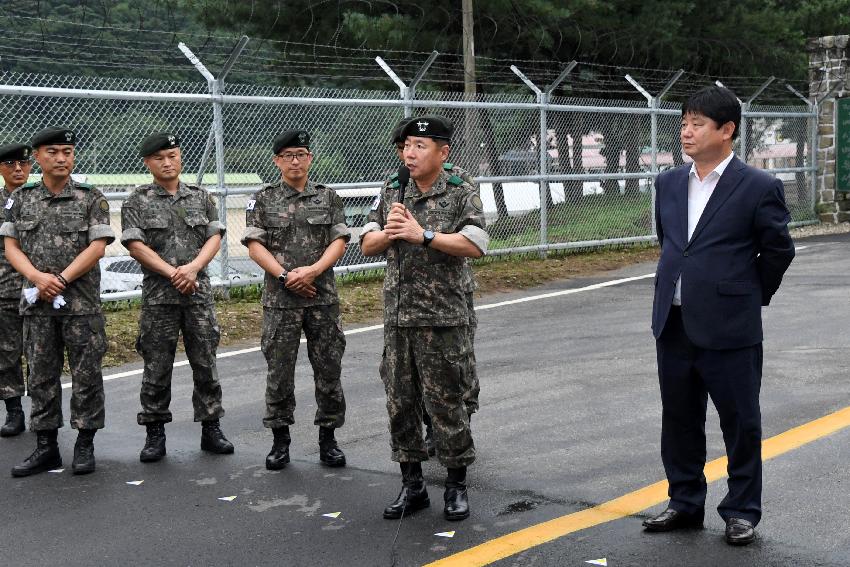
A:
240	318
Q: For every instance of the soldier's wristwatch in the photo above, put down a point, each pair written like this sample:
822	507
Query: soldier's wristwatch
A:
427	237
282	277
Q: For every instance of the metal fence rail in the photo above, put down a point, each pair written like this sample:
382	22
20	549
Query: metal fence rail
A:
590	183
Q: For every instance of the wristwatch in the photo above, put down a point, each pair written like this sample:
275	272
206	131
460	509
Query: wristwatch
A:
427	237
282	277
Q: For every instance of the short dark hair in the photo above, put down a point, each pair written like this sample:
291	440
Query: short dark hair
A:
718	103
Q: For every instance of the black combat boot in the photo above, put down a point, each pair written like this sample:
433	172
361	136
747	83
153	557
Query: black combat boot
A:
429	434
329	452
154	448
213	440
84	452
45	457
15	422
413	495
456	497
279	455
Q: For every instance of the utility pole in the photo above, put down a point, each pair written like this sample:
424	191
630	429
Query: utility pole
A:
468	50
470	131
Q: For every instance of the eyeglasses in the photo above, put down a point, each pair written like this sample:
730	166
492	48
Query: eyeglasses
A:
288	156
22	163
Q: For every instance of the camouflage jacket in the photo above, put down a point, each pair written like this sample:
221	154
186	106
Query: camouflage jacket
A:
11	281
428	287
55	229
469	283
297	228
176	228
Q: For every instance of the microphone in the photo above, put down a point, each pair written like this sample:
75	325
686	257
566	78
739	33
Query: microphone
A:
403	179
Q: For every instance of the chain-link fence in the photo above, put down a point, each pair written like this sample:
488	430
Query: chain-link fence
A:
589	183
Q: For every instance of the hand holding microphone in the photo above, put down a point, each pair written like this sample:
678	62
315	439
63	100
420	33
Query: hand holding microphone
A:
400	223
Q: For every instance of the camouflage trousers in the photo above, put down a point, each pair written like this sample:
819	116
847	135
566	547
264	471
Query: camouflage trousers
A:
11	350
325	347
159	328
45	340
473	387
427	365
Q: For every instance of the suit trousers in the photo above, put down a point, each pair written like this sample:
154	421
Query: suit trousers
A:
689	374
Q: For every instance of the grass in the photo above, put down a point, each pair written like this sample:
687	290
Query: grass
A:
240	316
594	217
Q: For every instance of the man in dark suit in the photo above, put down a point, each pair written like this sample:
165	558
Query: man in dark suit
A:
722	227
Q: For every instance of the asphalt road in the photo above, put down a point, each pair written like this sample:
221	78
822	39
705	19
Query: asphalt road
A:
570	418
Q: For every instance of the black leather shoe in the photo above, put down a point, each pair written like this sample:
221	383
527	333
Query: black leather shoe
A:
213	440
739	531
154	448
83	462
278	457
45	457
413	495
671	519
329	452
456	496
457	503
410	499
15	423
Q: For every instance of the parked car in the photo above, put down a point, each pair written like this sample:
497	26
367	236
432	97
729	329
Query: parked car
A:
123	273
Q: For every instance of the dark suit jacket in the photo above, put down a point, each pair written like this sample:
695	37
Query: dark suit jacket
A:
733	263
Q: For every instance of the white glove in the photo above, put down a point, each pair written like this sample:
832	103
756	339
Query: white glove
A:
31	294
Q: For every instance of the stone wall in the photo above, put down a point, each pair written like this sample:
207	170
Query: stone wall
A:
828	66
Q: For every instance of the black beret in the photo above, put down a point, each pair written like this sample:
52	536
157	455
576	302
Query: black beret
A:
158	141
54	135
398	131
429	126
15	151
291	139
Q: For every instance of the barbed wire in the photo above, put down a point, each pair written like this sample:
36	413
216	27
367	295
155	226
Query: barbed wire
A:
146	49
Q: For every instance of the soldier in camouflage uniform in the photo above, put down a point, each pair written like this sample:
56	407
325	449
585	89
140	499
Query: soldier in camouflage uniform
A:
426	237
15	166
470	396
295	230
173	230
56	231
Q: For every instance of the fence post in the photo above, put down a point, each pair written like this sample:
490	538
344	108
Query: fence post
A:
542	146
216	88
543	98
813	146
408	93
652	102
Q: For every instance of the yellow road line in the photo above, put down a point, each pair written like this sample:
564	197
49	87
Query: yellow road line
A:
633	502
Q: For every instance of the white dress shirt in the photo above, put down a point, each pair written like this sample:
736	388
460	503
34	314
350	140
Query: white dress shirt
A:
699	192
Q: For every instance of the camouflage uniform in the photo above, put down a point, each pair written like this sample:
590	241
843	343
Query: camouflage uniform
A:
426	322
11	329
52	231
176	228
297	228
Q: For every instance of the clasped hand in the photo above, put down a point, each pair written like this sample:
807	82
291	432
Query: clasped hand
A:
48	286
185	279
300	281
401	225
